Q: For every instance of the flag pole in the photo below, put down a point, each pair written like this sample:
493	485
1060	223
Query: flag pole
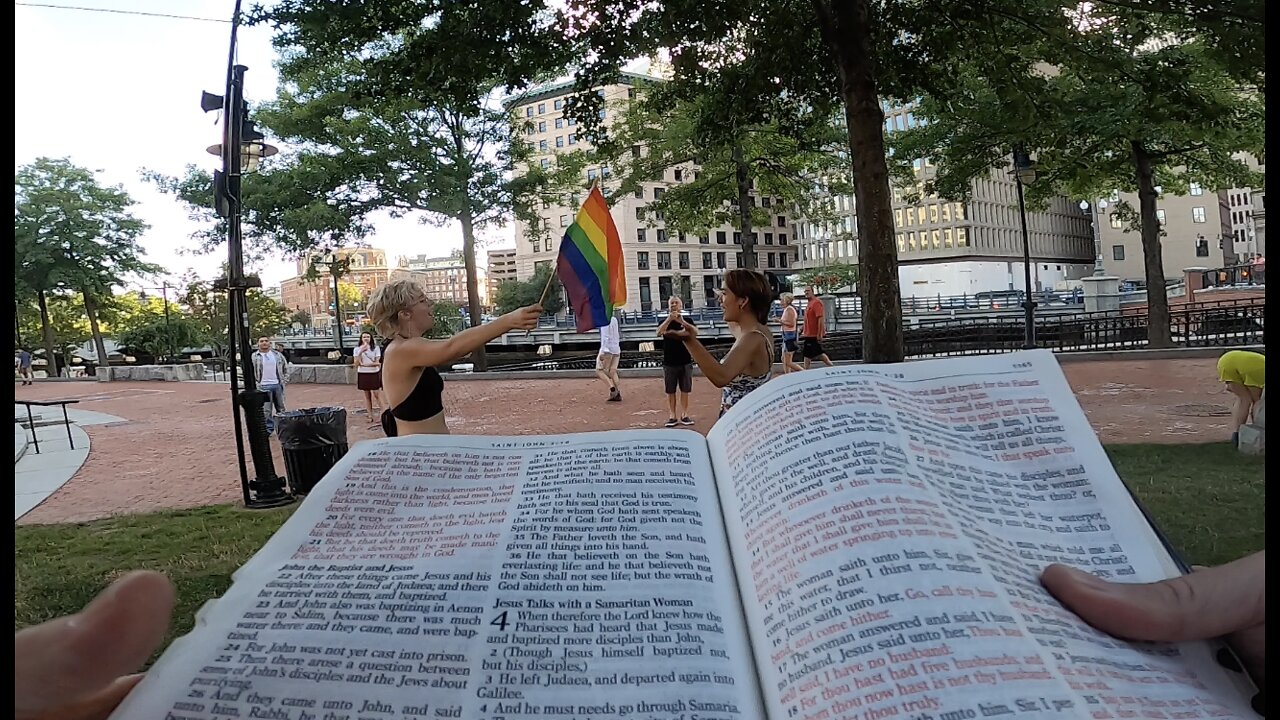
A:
547	287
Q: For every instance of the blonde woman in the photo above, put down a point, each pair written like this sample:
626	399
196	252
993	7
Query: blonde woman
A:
367	358
789	336
402	312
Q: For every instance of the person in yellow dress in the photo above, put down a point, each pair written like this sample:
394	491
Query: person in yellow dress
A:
1245	375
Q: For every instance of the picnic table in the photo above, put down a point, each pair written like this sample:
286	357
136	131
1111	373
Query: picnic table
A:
31	423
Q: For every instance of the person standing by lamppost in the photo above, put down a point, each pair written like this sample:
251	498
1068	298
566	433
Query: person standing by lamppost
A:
269	371
1024	173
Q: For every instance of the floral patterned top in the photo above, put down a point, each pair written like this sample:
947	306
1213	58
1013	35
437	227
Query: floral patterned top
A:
743	384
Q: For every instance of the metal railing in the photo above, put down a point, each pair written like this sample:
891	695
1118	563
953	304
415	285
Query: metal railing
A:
1235	276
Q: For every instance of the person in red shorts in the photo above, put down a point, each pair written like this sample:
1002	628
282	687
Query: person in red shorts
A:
815	329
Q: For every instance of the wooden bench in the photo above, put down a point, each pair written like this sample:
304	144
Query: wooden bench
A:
31	423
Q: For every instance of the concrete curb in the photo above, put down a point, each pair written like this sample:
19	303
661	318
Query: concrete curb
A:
20	442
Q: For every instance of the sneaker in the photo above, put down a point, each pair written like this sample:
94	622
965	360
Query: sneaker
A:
671	422
686	420
615	396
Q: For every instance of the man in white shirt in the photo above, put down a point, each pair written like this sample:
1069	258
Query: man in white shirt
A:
607	360
270	370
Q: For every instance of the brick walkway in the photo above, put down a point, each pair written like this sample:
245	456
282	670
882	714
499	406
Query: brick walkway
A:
178	450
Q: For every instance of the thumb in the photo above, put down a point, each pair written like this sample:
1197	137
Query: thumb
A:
1206	604
68	661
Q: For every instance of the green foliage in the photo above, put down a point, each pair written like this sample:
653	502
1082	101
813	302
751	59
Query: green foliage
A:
515	294
828	278
67	322
159	338
207	310
798	169
448	320
351	298
302	317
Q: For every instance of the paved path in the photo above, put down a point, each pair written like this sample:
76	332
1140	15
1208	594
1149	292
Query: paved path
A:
178	450
37	475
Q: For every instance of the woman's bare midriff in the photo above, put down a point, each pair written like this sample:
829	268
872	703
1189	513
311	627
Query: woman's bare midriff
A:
434	425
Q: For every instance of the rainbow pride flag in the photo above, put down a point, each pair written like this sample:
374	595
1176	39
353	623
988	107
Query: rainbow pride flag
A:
590	264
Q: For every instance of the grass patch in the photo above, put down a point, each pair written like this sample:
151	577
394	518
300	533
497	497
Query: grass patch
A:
1208	499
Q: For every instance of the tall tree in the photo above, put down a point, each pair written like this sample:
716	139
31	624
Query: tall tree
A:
87	231
724	172
1118	101
404	96
206	307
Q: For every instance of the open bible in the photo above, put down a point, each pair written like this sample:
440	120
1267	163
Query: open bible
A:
859	542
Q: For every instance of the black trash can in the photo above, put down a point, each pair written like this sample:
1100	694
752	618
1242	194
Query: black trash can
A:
313	440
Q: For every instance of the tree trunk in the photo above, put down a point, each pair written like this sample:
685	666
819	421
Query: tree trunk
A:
478	360
1158	330
46	333
847	26
91	312
743	176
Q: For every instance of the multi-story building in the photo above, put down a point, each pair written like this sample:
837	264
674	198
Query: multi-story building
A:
368	270
958	248
1260	222
501	268
1196	233
659	263
444	278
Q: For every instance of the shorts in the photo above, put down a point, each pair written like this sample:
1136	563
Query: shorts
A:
607	362
789	342
812	348
369	380
678	376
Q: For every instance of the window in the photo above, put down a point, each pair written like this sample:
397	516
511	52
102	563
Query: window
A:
573	139
721	238
706	261
678	173
639	193
1160	217
782	259
737	258
782	238
640	234
642	260
1202	247
592	173
558	104
937	239
639	213
544	163
911	240
782	221
959	211
769	261
1115	221
684	261
662	235
528	129
564	221
657	193
722	260
528	111
646	295
1117	252
933	213
946	212
946	238
537	246
768	238
704	239
602	114
542	108
737	238
572	122
1197	214
542	146
542	126
559	141
897	216
961	237
559	123
1196	189
664	261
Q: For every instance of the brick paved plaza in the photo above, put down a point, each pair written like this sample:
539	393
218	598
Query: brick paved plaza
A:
177	448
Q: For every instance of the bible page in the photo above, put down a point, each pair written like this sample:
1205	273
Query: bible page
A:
890	524
576	577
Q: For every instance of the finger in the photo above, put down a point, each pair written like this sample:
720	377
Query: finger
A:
74	658
97	707
1205	604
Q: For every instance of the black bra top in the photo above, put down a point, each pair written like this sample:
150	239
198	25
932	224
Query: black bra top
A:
425	401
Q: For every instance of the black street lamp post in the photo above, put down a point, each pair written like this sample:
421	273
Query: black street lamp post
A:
242	146
1024	173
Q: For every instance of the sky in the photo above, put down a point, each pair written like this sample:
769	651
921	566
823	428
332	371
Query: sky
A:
120	93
